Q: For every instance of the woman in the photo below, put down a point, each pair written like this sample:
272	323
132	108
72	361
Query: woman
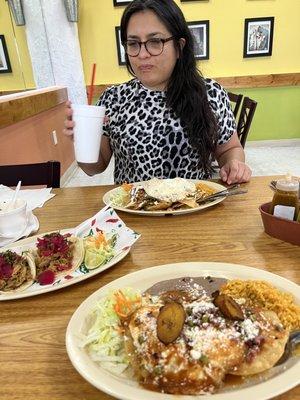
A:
168	121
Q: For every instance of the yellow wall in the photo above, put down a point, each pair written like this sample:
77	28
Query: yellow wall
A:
99	18
21	76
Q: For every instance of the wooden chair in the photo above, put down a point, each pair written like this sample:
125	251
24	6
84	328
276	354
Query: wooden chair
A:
47	173
236	99
245	119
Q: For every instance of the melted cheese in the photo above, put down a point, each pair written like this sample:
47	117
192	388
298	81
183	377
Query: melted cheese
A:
169	189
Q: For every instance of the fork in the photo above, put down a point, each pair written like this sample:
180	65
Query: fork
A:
272	185
232	187
230	191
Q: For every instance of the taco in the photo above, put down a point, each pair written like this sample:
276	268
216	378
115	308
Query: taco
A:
17	272
57	255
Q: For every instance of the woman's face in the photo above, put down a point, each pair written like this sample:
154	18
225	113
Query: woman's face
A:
153	71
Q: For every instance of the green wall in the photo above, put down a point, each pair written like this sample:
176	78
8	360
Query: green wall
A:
277	115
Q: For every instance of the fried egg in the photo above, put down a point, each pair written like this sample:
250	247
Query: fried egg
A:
169	189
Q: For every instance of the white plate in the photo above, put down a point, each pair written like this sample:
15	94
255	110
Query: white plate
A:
80	274
105	220
107	200
126	389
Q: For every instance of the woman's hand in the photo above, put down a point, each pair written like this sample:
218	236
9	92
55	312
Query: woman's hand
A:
231	159
105	150
69	123
235	171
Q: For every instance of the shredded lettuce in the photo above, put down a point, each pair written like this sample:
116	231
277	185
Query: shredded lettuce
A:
119	197
104	339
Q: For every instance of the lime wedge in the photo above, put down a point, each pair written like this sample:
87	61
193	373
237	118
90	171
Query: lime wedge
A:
93	259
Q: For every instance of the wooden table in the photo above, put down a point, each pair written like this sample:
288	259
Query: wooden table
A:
33	358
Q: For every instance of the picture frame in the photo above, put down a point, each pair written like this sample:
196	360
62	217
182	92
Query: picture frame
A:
120	48
258	37
118	3
200	33
5	65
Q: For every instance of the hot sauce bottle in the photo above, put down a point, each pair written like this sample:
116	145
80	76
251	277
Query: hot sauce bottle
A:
285	203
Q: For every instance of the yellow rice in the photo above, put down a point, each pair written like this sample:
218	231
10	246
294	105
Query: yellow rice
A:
263	295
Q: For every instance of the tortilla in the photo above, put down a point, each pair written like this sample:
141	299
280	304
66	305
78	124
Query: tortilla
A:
165	194
28	282
77	258
271	350
78	253
238	347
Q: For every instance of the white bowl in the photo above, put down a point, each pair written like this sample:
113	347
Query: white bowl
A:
12	221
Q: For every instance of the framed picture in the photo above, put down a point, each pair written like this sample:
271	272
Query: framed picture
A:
120	48
258	37
121	2
200	32
4	58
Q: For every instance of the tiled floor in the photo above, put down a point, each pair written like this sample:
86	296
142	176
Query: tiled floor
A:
263	160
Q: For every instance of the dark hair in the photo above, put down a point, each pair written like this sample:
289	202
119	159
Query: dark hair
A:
186	90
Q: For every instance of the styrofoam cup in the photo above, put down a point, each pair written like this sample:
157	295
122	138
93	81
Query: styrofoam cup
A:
13	221
87	132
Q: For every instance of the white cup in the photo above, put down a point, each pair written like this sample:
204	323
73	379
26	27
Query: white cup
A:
87	132
13	221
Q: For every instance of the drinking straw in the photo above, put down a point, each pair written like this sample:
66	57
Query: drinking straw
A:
11	205
91	88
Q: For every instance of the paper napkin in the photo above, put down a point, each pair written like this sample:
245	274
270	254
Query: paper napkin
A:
34	197
108	221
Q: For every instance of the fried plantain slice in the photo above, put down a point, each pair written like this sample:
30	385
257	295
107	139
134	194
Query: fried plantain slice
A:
170	321
229	307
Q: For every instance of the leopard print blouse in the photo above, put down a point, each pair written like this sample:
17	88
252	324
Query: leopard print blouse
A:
148	140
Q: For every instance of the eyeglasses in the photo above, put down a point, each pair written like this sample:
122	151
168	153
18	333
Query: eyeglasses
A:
154	46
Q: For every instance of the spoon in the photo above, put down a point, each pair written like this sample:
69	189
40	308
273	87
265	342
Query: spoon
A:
11	205
293	341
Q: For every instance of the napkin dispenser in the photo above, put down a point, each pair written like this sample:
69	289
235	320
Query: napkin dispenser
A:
280	228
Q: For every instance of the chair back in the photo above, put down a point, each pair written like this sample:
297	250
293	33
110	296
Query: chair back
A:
236	100
47	173
245	119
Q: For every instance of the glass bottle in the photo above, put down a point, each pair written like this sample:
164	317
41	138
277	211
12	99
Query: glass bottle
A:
285	203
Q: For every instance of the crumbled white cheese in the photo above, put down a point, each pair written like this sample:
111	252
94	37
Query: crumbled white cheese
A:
169	189
250	329
195	354
202	306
